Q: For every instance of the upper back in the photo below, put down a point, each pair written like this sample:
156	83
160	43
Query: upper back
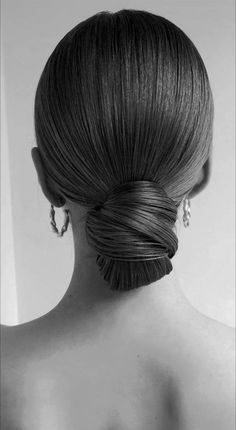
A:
118	379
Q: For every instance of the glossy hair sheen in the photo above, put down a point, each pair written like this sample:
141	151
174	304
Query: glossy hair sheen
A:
123	120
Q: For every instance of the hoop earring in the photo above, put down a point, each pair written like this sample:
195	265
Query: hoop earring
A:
53	222
187	212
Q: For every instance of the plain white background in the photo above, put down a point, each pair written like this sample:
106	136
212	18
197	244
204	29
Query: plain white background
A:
36	265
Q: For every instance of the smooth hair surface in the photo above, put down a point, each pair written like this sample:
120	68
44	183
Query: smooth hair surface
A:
124	121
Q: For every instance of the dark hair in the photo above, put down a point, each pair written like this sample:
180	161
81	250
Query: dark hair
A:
123	121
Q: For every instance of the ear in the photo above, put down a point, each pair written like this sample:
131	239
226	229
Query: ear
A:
48	190
203	179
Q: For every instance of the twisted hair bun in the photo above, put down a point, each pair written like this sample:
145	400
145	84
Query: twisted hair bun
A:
132	233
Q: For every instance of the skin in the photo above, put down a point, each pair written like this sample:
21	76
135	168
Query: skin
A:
104	360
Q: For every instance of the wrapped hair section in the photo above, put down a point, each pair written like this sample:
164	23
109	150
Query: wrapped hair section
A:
133	234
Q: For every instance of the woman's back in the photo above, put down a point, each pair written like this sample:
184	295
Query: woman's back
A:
119	371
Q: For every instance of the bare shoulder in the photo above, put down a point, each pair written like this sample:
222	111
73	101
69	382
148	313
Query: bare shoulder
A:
9	373
218	352
211	394
17	350
222	341
223	348
21	343
225	336
15	341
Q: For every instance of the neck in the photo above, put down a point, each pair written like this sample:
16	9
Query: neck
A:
89	291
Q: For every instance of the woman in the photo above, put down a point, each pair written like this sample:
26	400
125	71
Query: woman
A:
123	122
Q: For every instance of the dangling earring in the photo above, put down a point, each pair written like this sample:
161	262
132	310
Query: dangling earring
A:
53	222
187	212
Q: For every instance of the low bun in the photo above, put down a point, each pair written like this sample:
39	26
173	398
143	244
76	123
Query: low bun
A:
132	231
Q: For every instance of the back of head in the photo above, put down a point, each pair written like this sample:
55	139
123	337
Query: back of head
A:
123	122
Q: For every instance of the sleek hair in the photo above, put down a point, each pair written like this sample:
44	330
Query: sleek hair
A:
123	120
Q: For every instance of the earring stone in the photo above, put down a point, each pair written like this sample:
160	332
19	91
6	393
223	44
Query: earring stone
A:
53	222
187	212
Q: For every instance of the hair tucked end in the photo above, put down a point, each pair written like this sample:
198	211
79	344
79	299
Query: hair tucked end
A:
132	232
127	275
